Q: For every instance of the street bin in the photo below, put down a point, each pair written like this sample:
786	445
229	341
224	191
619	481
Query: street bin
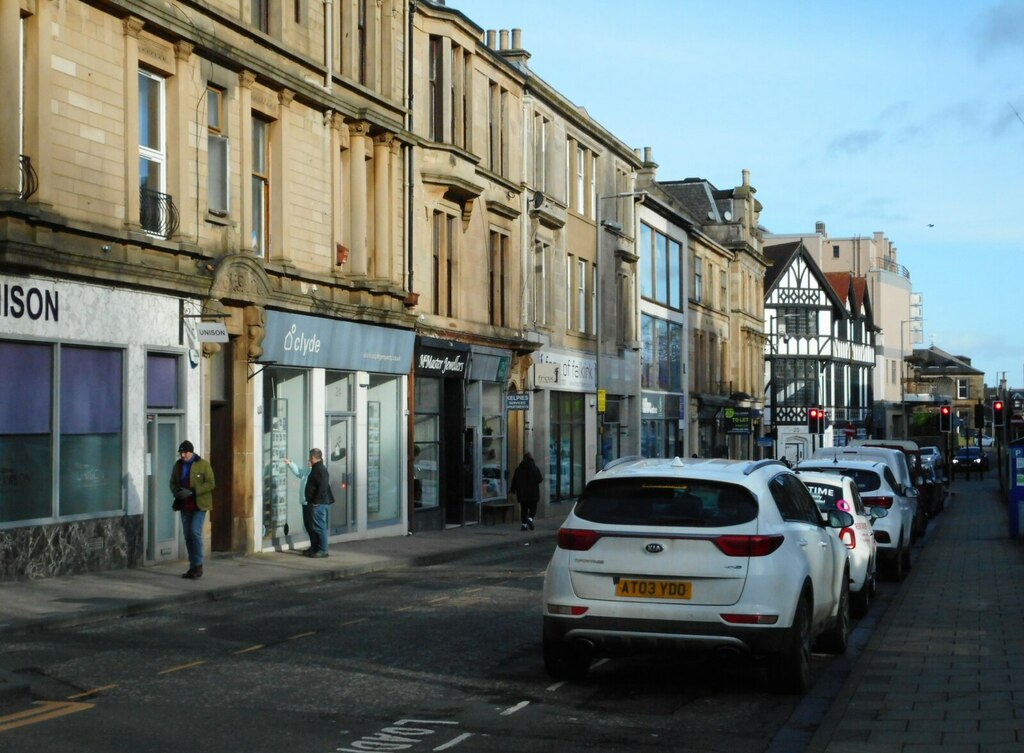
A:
1016	487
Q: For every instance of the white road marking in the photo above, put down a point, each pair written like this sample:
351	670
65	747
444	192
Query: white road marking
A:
455	741
518	707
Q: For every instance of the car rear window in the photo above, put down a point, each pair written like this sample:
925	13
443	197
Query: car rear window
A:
825	495
866	481
666	502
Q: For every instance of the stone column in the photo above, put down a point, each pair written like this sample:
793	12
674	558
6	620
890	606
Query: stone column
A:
358	254
338	143
382	205
10	88
131	27
246	79
178	125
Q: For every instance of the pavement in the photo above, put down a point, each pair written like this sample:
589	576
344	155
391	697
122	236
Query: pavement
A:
939	669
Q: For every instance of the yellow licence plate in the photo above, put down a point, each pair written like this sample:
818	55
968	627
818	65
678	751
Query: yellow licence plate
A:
654	589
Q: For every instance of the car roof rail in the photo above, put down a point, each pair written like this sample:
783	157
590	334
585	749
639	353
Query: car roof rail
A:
758	464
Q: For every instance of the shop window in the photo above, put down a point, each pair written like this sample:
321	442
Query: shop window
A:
339	388
286	447
566	459
426	442
493	442
162	381
383	462
26	441
91	400
90	438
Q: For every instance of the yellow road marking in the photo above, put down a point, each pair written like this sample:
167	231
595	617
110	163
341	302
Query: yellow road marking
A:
473	590
355	622
257	647
44	711
438	600
94	691
302	635
181	667
405	609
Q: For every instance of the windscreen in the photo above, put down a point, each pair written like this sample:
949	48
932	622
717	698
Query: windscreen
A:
666	502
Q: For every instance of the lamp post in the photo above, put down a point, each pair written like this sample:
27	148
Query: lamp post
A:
903	377
599	225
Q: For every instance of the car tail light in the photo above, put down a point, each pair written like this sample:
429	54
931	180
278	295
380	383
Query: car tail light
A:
576	540
885	502
751	619
748	546
848	537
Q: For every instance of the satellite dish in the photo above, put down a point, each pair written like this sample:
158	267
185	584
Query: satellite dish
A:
726	215
538	200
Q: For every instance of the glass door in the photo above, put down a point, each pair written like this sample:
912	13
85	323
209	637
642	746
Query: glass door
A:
162	536
339	457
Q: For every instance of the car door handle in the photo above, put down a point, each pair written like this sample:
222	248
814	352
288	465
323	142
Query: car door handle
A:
823	544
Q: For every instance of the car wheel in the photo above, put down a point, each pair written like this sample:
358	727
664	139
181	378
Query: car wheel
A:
566	661
791	669
896	571
860	602
836	638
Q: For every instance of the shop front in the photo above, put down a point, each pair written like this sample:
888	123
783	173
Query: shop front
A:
662	424
565	387
100	386
341	387
459	447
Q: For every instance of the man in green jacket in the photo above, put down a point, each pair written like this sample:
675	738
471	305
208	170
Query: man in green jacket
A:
192	485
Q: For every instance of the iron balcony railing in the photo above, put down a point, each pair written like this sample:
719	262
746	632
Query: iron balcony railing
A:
29	179
158	214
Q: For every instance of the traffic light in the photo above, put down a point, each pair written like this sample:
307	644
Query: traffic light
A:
997	413
945	418
979	416
815	420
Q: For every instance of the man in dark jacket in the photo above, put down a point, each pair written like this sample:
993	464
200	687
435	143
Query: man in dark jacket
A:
526	486
192	485
318	497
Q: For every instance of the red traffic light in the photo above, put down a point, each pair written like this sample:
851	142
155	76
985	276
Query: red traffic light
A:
944	410
997	412
814	413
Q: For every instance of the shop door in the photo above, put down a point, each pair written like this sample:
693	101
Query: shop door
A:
162	528
339	456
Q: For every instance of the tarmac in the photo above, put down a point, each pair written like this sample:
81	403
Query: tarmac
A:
940	671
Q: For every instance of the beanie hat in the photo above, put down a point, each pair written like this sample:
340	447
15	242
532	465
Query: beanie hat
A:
186	446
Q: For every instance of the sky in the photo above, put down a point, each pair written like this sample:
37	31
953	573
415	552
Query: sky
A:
905	117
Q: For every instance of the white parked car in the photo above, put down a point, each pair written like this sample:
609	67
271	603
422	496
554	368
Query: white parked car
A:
878	488
833	491
727	556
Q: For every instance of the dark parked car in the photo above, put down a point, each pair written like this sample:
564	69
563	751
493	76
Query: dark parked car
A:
969	459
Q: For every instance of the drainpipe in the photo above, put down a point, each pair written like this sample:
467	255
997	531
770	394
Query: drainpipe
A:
328	44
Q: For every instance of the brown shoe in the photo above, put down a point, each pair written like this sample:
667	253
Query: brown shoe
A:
194	573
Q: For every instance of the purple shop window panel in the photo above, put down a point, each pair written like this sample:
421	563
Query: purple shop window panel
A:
90	391
26	374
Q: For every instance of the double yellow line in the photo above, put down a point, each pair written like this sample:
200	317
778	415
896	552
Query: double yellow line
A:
43	712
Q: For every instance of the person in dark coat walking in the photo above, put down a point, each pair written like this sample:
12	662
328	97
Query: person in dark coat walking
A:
318	497
526	486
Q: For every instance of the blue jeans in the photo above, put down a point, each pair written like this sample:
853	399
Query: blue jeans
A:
315	518
192	526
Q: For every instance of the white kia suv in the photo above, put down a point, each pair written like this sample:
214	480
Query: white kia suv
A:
727	556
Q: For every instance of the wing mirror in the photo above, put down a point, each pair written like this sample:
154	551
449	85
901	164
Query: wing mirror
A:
877	512
839	519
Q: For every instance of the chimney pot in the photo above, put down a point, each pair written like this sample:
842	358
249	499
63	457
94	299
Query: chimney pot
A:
647	154
517	39
746	178
492	35
503	37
